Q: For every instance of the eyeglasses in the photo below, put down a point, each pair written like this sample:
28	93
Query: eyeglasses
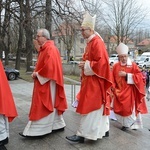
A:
38	36
82	30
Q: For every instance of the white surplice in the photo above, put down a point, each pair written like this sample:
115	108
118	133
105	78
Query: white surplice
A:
51	122
4	127
94	125
132	121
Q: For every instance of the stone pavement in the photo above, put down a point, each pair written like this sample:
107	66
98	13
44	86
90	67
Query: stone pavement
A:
118	140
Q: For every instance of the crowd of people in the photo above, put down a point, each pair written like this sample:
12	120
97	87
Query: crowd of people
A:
120	89
146	74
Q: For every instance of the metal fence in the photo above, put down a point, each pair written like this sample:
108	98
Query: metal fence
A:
74	86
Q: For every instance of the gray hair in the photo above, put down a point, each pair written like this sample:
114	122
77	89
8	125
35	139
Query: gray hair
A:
45	33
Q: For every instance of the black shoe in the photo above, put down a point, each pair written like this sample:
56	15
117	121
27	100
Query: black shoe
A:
26	136
75	138
21	134
124	128
58	130
4	142
107	134
2	147
134	129
33	137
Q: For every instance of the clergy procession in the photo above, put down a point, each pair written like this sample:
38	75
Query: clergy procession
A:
110	109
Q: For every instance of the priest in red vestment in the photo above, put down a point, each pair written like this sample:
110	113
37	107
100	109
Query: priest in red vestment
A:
93	97
129	90
48	100
7	107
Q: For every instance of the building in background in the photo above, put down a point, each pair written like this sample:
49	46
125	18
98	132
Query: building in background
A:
70	42
144	46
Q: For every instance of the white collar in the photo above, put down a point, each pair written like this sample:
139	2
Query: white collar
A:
96	33
90	38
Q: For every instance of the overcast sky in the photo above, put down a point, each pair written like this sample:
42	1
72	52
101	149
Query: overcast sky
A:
145	24
144	2
146	5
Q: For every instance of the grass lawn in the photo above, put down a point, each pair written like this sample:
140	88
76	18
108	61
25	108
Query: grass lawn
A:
27	76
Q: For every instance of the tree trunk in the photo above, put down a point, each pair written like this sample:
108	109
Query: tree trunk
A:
48	18
29	34
20	41
5	31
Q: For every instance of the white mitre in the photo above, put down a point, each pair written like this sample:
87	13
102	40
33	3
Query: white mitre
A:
88	21
122	49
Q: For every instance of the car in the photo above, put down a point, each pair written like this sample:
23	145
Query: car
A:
137	59
113	58
11	73
144	62
113	55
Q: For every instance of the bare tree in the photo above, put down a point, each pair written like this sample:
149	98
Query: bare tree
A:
4	29
48	18
1	28
29	34
95	7
20	40
24	14
67	19
122	17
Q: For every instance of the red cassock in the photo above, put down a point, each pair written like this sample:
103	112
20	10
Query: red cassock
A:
49	65
128	96
94	91
7	105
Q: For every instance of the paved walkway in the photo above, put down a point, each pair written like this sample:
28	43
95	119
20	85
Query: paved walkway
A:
118	140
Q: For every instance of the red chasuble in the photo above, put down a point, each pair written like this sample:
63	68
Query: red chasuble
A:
7	105
128	96
49	65
94	91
